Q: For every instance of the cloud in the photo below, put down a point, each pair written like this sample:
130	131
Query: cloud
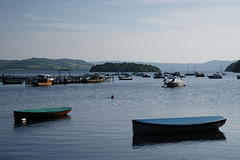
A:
160	21
168	1
180	1
79	26
127	2
39	18
224	17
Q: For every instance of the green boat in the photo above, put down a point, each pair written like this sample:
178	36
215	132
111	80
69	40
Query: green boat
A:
41	113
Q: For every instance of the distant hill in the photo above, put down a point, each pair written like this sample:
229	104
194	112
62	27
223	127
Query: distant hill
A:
211	66
234	67
44	64
124	67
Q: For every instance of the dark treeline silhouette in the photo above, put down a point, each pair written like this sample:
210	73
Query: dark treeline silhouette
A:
124	67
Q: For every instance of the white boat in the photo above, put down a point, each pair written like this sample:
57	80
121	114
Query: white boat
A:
125	76
145	75
177	125
173	81
215	76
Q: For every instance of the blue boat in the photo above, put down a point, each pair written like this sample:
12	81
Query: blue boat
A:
177	125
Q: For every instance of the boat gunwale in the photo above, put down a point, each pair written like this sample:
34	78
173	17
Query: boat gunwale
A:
190	124
31	115
222	121
44	110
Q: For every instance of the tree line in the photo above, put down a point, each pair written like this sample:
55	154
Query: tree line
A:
124	67
234	67
44	64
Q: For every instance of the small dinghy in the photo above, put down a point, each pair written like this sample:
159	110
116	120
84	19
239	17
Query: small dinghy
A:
41	113
177	125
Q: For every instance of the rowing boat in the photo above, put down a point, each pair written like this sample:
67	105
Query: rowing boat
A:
177	125
41	113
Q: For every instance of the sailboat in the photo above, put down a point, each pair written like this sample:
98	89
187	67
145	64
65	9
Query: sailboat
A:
217	75
188	73
221	71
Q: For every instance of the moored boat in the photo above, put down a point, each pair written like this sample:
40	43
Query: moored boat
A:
139	74
173	81
41	113
42	80
145	75
199	74
95	79
215	76
177	125
158	75
125	76
189	74
12	81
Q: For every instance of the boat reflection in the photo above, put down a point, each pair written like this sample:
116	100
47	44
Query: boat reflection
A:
148	140
43	120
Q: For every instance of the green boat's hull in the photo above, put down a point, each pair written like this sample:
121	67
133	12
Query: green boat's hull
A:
40	113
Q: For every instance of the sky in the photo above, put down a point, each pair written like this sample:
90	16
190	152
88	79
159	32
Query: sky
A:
163	31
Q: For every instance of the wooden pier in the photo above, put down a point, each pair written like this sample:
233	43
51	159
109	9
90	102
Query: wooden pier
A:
59	80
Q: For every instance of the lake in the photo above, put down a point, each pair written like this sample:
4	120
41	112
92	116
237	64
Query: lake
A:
100	128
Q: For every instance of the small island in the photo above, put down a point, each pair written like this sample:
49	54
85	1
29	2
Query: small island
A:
124	67
234	67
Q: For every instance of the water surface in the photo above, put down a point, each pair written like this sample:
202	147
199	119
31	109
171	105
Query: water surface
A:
99	127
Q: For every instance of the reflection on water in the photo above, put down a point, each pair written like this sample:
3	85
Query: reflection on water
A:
148	140
43	120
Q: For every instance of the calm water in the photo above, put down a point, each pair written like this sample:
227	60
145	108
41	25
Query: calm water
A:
100	128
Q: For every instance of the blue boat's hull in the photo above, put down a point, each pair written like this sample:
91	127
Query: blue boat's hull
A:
155	125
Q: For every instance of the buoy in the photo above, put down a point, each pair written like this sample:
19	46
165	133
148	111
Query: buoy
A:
112	96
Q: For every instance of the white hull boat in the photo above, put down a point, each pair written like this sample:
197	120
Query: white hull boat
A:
173	82
125	77
177	125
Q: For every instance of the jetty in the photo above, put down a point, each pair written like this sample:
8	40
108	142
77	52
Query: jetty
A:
61	79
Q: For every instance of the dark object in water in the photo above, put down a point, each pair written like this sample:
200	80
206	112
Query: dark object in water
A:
156	139
177	125
41	113
12	81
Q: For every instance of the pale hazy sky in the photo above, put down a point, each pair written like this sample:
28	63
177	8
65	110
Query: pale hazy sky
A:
171	31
